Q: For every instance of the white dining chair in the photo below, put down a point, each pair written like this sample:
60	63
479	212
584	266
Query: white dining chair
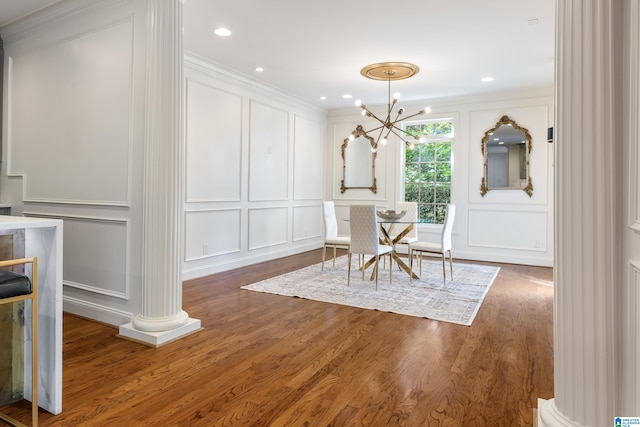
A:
365	239
443	247
331	237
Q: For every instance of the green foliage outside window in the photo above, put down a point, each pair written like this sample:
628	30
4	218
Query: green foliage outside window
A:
428	169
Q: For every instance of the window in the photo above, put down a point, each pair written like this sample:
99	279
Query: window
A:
427	171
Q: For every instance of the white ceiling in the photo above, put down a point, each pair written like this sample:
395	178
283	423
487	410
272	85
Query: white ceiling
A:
317	48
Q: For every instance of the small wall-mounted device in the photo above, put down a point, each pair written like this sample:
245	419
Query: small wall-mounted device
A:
550	134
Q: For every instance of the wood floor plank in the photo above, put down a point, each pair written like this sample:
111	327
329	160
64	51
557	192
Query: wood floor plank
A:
269	360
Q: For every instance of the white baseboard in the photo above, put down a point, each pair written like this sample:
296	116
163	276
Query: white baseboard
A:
95	312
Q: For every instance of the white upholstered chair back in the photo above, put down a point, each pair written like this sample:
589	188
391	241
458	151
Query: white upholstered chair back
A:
364	229
448	227
330	222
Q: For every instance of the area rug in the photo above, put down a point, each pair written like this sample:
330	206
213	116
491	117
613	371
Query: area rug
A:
458	302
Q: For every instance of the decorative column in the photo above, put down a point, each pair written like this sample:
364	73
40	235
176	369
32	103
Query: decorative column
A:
588	218
161	318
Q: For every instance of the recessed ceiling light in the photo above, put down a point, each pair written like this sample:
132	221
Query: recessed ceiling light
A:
259	69
487	79
323	98
347	96
222	32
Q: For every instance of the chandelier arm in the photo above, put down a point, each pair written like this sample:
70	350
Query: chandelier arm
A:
374	129
374	116
413	115
378	139
398	135
400	130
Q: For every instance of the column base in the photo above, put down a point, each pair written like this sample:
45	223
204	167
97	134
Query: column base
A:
156	339
548	415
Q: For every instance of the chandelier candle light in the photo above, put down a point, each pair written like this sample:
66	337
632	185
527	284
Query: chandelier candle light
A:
390	71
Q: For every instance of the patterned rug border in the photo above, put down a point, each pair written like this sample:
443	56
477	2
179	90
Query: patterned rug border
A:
458	303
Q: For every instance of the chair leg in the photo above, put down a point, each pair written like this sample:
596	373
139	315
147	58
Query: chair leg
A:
334	256
410	264
451	264
444	270
376	268
34	349
349	270
391	268
324	254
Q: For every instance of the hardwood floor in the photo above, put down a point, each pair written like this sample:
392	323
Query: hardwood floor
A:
265	360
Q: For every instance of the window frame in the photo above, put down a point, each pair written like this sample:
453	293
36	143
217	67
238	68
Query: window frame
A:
431	138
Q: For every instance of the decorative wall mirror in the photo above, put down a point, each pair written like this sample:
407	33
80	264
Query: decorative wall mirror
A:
358	162
505	153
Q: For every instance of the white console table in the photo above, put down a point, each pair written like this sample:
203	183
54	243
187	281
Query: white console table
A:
43	239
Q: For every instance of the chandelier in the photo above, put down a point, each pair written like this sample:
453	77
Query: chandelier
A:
390	71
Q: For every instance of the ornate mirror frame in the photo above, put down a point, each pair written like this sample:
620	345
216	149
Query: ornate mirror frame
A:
371	180
367	177
526	184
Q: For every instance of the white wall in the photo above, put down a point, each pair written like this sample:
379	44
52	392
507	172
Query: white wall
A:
73	148
254	167
73	144
504	225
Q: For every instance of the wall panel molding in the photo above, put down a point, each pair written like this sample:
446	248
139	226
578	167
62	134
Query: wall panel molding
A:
308	159
268	227
268	152
96	254
634	125
212	232
513	230
80	144
213	147
307	222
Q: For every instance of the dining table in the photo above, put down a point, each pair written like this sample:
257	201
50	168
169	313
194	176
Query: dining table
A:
388	238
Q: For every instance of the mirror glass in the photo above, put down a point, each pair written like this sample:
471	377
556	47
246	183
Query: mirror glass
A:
505	150
358	161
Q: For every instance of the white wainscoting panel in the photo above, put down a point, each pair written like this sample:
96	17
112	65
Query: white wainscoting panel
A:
213	143
268	152
512	229
79	92
268	227
308	163
96	255
211	232
307	222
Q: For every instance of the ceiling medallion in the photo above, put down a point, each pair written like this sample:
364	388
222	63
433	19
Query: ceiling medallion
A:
389	71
